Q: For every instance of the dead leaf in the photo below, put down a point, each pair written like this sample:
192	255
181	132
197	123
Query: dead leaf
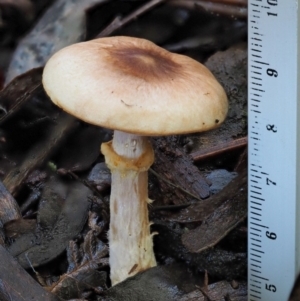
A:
63	212
82	274
225	218
19	91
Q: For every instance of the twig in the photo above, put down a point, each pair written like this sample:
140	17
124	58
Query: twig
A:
84	182
29	262
118	22
171	207
171	184
204	293
217	8
219	149
230	2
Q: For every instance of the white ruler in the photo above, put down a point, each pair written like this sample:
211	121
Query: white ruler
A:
274	148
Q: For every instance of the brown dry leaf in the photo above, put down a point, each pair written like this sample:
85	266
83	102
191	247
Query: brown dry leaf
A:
201	211
19	91
62	214
82	274
219	291
225	218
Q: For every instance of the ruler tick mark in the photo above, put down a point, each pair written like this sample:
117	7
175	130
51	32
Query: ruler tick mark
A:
256	297
254	290
255	271
255	260
255	213
256	245
257	67
256	203
259	166
259	225
263	63
256	276
255	255
252	196
257	187
255	208
256	192
258	240
255	287
255	89
255	176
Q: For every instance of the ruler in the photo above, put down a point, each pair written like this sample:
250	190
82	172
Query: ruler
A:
274	148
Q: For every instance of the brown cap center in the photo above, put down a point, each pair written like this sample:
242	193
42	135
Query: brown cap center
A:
147	64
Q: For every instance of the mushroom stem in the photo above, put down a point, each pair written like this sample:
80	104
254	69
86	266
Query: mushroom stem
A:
131	249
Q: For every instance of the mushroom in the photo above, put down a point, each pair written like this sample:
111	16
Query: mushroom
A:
137	89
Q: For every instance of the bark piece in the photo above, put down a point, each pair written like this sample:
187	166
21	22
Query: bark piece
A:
217	262
16	284
172	282
161	283
220	291
61	217
200	211
19	227
19	91
225	218
178	168
9	209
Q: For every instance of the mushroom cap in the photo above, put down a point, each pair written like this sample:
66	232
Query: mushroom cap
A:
135	86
